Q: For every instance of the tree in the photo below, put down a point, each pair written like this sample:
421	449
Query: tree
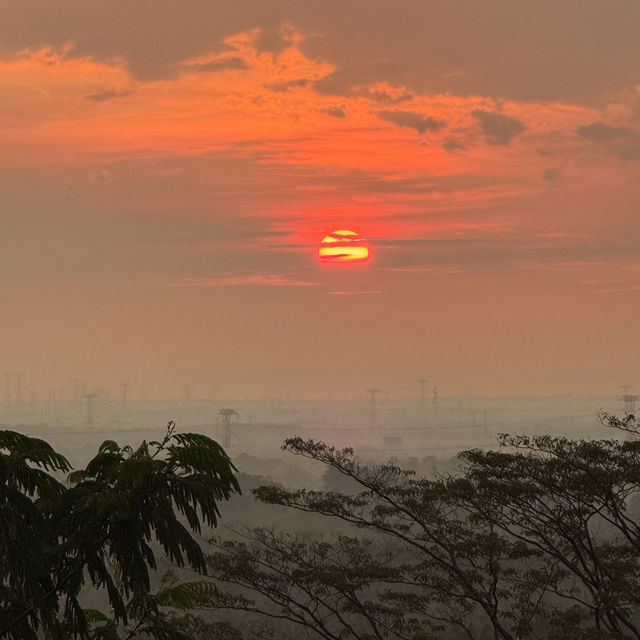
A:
326	585
450	572
56	539
536	540
571	501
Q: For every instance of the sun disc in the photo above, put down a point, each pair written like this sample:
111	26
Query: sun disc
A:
343	246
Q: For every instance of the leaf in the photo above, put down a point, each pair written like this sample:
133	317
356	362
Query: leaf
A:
187	595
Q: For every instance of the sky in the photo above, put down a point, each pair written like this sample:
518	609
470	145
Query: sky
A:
168	170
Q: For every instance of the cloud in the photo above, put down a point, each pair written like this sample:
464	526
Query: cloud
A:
383	96
219	64
413	120
287	85
498	128
437	270
101	174
336	112
623	142
256	279
551	174
617	290
437	242
357	293
422	45
600	132
452	145
384	92
109	94
379	183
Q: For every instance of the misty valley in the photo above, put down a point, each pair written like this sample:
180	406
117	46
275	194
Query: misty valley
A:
170	535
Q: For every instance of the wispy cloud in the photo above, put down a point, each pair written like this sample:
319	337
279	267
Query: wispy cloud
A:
109	94
452	145
335	111
428	269
551	174
635	287
566	265
357	293
412	119
498	128
255	279
384	92
623	142
288	85
217	64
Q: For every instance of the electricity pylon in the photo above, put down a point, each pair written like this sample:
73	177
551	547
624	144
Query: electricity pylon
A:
226	416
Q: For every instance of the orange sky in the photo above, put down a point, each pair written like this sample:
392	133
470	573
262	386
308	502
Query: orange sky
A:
167	171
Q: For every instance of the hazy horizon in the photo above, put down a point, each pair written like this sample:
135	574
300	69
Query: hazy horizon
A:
168	171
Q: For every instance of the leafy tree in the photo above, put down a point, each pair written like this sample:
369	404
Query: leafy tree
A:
570	501
454	569
536	540
57	539
327	585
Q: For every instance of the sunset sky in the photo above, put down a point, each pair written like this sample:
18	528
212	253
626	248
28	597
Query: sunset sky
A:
168	170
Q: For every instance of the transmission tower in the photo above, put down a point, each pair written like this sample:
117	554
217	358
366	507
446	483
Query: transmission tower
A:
373	393
436	403
629	399
423	386
7	388
90	398
18	377
226	416
78	388
124	386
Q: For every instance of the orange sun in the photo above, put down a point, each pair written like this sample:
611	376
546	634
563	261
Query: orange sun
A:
343	246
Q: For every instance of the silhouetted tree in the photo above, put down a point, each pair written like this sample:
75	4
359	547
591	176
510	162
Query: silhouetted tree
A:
571	501
536	540
326	585
56	539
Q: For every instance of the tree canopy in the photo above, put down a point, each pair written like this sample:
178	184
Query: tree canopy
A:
539	539
99	530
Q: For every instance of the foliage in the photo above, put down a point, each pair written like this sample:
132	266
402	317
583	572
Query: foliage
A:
570	501
324	585
99	531
539	539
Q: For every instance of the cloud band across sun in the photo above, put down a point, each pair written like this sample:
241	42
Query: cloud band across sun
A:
343	246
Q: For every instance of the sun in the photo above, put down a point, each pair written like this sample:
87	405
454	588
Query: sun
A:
343	246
